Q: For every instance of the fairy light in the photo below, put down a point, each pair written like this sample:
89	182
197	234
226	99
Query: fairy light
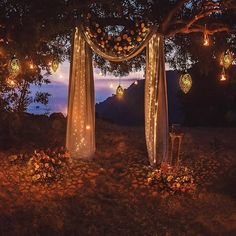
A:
136	82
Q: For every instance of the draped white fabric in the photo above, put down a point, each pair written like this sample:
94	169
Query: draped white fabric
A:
80	139
156	106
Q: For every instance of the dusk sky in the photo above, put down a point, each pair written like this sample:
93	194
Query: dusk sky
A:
105	86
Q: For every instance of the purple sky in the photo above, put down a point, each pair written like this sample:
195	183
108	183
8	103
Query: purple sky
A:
105	86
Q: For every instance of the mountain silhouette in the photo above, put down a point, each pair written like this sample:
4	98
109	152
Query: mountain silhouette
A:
129	110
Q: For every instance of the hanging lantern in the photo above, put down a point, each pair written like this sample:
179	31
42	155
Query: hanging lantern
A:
223	76
206	39
185	82
11	82
14	67
55	65
119	91
226	59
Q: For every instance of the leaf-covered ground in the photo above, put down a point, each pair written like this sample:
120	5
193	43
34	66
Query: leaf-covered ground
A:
110	195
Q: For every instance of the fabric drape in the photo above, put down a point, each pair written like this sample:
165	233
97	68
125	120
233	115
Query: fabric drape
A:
80	140
156	107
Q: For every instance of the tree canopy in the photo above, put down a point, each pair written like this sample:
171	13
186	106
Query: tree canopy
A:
39	31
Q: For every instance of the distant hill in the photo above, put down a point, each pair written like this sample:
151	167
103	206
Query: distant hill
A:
130	109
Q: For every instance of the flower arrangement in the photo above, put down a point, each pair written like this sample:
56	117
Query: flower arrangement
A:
172	179
45	166
118	45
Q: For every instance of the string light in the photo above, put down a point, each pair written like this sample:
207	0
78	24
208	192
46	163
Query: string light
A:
136	82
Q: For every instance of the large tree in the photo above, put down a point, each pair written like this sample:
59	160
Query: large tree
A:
39	31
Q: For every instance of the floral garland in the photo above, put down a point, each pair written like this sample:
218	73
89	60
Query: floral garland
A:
116	44
172	179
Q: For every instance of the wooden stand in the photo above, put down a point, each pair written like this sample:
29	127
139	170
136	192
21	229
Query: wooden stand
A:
179	138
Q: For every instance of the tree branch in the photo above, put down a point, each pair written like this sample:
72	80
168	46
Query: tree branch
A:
201	16
169	17
202	29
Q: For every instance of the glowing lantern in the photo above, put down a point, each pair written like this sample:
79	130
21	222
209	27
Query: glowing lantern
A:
31	66
206	39
14	67
55	65
227	59
11	82
185	83
223	76
119	91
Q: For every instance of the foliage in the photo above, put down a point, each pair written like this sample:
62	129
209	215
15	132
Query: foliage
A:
39	31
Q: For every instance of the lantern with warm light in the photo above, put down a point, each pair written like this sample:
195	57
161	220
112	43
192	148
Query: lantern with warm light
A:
227	59
185	82
14	67
206	39
223	76
11	82
55	65
119	91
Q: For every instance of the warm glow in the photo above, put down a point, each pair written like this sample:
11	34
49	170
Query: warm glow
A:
136	82
206	42
223	77
55	65
226	59
185	82
88	127
111	86
119	91
11	82
31	66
